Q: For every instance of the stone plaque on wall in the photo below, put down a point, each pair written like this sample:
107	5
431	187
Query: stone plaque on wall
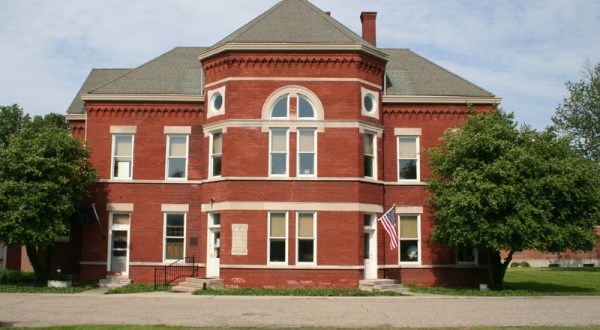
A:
239	239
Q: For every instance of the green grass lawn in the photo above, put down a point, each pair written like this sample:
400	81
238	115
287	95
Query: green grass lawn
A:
534	282
554	281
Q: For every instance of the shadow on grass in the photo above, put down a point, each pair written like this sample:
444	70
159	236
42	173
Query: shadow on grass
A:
549	288
574	269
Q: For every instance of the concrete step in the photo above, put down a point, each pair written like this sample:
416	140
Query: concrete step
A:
382	285
195	283
113	282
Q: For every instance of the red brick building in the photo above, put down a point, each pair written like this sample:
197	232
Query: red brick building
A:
269	156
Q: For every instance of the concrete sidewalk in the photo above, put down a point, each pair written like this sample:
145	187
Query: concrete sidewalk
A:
183	309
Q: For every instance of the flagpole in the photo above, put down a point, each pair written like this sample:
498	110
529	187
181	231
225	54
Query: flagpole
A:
384	248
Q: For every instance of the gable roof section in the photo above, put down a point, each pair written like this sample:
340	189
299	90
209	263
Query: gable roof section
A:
409	74
176	72
95	79
294	21
292	24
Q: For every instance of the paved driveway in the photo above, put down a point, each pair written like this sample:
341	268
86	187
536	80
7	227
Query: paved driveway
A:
181	309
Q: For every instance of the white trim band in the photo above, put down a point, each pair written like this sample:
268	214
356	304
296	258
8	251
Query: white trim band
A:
119	207
296	206
175	208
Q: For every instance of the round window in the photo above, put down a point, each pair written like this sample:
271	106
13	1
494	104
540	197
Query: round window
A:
369	102
217	101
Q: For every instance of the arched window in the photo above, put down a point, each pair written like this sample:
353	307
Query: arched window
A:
279	104
305	108
281	107
290	111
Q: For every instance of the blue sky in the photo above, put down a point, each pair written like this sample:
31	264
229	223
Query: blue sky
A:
522	51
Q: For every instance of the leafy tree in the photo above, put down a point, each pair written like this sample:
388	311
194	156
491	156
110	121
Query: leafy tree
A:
496	187
44	180
579	114
11	121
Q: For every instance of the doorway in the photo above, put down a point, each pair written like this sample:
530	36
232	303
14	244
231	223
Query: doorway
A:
213	253
119	244
370	246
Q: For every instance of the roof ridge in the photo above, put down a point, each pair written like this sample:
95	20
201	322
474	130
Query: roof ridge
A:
337	24
450	72
262	30
131	71
244	28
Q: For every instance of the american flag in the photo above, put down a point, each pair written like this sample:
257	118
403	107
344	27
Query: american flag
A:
389	224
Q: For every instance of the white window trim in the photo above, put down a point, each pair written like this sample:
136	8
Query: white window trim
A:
211	155
212	112
187	156
375	168
418	158
315	161
314	238
474	262
113	156
118	209
164	238
278	263
287	152
375	97
419	240
287	116
292	91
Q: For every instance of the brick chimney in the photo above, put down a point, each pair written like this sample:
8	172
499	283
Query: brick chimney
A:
368	20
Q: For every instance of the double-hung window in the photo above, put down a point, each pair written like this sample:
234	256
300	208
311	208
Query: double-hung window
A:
408	158
307	157
278	163
216	150
177	156
370	165
122	156
306	232
174	236
409	236
291	111
277	249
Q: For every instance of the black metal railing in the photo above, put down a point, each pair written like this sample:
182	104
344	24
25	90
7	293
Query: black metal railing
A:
184	267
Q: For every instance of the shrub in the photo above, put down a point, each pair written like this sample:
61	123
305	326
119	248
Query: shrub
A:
16	277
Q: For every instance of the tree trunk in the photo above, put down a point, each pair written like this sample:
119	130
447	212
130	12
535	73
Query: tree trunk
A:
40	270
497	268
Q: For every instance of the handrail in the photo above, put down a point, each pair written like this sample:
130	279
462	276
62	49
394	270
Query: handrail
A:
167	274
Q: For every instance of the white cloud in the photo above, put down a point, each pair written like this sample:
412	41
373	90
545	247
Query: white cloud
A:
522	51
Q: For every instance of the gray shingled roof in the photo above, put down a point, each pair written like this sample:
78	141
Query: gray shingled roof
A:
294	21
179	72
176	72
96	78
412	75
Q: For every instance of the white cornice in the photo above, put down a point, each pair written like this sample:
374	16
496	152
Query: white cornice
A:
143	97
441	99
284	47
76	116
265	125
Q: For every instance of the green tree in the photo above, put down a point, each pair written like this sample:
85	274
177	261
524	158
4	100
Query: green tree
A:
579	114
496	187
44	181
12	121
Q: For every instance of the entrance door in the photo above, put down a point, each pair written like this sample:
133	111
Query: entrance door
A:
214	245
370	246
119	244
